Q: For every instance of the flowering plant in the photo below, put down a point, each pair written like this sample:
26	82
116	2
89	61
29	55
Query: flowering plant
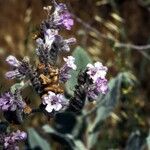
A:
47	79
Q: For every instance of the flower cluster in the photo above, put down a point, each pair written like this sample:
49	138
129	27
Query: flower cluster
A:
97	74
60	17
47	79
11	102
90	84
20	68
11	60
50	43
11	140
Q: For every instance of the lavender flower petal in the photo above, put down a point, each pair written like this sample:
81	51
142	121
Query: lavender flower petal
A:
50	37
12	74
96	71
65	70
67	21
70	62
11	60
54	102
62	17
67	43
11	102
13	138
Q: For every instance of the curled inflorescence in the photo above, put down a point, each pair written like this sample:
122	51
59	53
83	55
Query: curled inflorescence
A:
47	79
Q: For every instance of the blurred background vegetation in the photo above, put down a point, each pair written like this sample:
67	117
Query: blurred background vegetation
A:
115	32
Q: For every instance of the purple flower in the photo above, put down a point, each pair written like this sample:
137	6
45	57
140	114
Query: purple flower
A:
66	44
11	60
60	7
9	101
20	68
12	74
51	43
18	135
96	71
61	16
54	101
12	139
65	70
101	86
49	37
45	45
70	62
66	20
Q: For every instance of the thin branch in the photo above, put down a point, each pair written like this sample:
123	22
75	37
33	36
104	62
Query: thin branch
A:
139	48
118	44
132	46
145	54
86	25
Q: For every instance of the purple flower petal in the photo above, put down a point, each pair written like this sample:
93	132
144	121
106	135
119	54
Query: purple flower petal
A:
11	140
97	73
61	17
54	101
70	62
11	60
9	101
67	67
12	74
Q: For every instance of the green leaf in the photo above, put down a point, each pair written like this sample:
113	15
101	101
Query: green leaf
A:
35	141
65	139
135	141
48	129
107	103
82	59
79	145
148	141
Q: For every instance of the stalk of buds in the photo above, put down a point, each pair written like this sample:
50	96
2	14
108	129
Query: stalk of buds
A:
10	140
47	79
